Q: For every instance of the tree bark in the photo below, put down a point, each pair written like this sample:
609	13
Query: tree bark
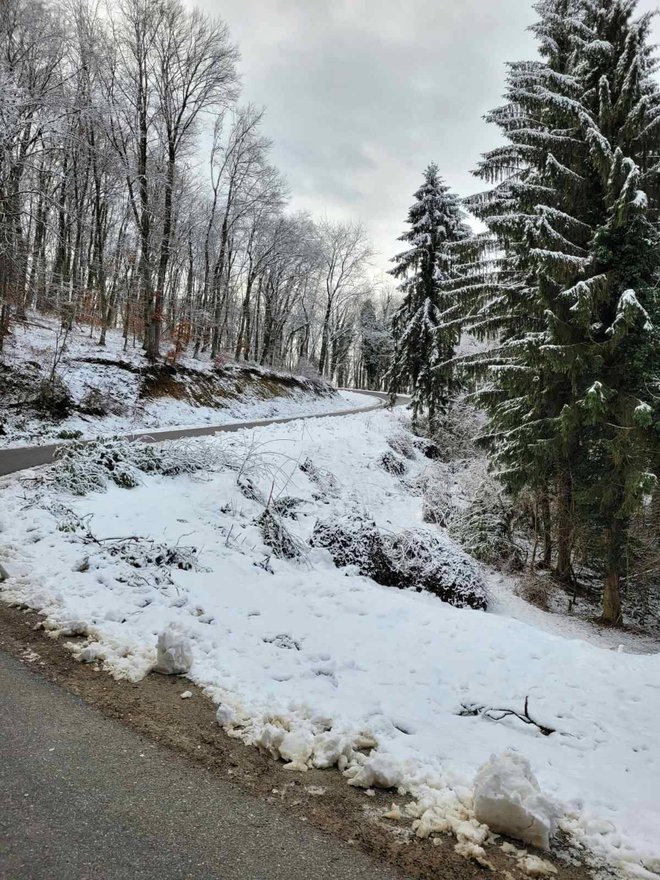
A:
564	527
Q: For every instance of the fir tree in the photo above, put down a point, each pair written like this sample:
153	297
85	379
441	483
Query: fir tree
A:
424	337
573	302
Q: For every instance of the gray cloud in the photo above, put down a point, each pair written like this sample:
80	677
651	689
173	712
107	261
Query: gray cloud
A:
363	94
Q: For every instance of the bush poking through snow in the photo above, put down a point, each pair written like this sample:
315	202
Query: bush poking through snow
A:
402	445
87	467
423	561
392	464
418	559
428	448
507	798
53	398
250	491
144	553
437	503
355	540
484	531
286	506
324	481
173	652
277	537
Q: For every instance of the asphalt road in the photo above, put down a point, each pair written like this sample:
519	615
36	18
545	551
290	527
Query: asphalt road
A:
84	798
20	458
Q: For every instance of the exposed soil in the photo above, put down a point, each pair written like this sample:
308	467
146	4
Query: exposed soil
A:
155	709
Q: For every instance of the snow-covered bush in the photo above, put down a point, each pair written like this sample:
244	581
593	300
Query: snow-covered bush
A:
355	540
428	448
418	559
53	398
286	506
455	439
325	482
421	559
277	537
83	467
87	467
142	553
402	445
392	464
437	502
508	798
483	529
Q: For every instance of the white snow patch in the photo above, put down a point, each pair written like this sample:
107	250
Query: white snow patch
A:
174	654
507	798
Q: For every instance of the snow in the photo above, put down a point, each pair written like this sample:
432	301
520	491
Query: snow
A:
319	666
33	344
508	799
174	654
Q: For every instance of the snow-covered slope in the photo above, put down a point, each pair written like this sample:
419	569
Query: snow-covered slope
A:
113	390
322	666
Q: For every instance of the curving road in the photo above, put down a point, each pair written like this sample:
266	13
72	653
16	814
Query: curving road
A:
20	458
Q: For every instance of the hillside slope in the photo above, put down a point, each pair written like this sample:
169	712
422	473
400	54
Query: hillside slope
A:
65	388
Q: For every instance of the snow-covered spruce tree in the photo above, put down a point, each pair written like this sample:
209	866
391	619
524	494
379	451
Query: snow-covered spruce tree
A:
423	335
533	206
574	215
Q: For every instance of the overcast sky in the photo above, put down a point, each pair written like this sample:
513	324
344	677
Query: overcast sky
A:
362	94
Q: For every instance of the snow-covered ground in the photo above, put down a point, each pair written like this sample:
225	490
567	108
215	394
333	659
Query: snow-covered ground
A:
322	666
31	349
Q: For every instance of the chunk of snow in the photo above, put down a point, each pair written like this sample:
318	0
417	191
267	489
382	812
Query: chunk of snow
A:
393	813
225	716
533	866
328	748
269	739
173	651
296	748
508	799
377	771
474	852
186	695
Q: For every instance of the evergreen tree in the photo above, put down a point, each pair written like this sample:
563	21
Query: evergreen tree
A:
572	301
424	337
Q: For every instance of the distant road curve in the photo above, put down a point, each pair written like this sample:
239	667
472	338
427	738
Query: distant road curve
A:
20	458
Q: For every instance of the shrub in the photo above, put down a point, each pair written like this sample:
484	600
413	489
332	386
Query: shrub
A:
83	467
355	540
53	398
483	529
424	561
402	445
392	464
321	478
428	448
99	403
437	502
417	559
277	537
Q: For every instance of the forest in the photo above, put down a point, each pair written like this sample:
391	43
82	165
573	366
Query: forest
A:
137	193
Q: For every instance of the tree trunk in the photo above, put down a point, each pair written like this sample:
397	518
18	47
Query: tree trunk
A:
546	522
614	546
564	527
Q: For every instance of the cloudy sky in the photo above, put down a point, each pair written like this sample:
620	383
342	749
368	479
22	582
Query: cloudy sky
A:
362	94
